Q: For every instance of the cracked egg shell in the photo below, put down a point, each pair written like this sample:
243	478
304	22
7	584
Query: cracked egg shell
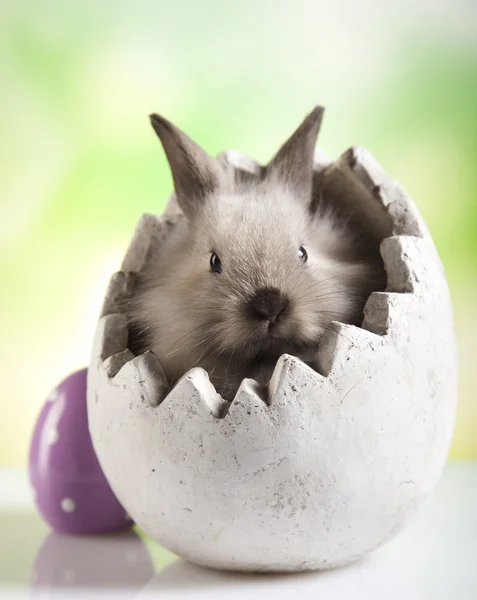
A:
71	491
335	463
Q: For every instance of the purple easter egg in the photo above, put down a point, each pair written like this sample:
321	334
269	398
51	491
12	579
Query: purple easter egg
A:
71	491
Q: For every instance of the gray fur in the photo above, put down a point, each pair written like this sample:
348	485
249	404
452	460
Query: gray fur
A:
194	317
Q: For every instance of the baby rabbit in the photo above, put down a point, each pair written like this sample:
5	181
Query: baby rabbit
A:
253	270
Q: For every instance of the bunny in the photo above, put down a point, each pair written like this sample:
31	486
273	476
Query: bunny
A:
256	267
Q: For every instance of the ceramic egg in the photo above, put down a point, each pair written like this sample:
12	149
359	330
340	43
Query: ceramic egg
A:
330	463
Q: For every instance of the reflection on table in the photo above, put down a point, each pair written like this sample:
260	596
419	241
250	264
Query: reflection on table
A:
119	561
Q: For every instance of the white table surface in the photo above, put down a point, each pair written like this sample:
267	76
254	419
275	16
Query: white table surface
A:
435	558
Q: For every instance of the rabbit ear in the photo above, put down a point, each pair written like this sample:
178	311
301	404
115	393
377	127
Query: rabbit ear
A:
293	163
195	173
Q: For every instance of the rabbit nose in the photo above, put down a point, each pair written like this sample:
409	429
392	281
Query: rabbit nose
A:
267	304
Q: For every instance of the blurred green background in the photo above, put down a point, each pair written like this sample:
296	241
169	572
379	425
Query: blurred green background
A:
79	162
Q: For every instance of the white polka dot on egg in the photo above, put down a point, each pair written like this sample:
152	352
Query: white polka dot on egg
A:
69	576
53	396
52	436
68	505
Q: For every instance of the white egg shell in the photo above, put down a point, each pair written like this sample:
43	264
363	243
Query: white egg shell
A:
338	462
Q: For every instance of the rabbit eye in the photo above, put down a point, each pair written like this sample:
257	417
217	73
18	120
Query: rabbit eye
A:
302	253
215	264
